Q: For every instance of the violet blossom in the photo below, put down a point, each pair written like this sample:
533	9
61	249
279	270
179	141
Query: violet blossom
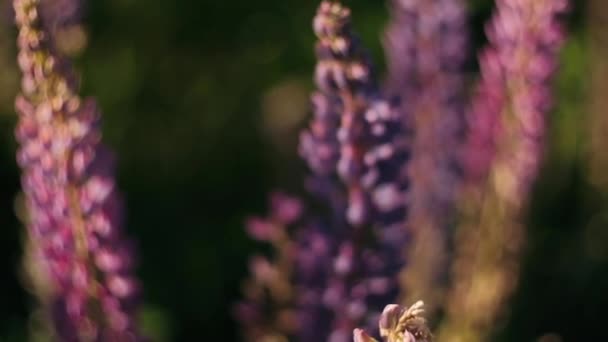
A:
356	146
372	147
344	267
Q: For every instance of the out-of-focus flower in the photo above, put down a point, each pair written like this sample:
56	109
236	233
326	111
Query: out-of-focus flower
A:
400	324
268	313
73	205
371	149
343	268
426	44
502	159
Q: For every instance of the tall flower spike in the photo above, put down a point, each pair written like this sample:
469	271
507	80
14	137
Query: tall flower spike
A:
372	148
426	43
502	158
73	205
355	145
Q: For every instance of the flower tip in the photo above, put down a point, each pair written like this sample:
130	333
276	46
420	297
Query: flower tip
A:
389	319
359	335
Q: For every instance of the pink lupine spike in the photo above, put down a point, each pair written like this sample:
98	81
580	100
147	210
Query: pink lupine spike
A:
502	158
70	191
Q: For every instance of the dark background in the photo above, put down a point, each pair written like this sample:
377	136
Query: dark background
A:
203	100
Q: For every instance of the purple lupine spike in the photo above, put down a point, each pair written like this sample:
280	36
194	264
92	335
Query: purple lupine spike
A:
345	272
502	155
372	149
426	43
343	73
73	205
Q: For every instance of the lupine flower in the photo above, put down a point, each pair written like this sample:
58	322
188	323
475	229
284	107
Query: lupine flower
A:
73	205
344	268
502	158
357	150
399	324
426	43
372	149
267	313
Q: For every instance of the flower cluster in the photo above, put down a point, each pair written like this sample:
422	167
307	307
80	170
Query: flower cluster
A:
390	163
358	147
360	136
355	145
371	150
73	206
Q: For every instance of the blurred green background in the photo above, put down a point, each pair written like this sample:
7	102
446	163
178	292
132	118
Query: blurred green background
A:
203	101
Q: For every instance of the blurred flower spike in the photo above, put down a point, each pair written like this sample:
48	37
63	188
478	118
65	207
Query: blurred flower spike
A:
74	210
